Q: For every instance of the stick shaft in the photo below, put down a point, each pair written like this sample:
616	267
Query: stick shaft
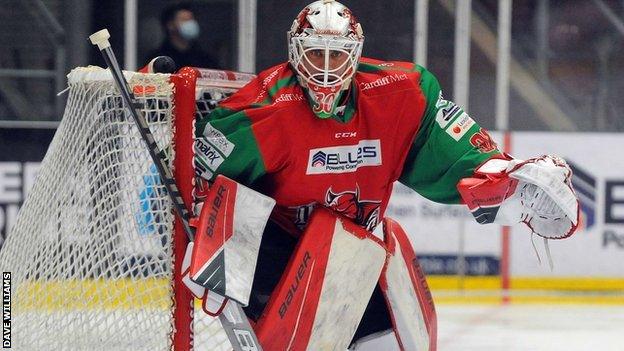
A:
235	323
157	155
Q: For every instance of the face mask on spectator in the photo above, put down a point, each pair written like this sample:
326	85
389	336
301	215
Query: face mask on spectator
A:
189	30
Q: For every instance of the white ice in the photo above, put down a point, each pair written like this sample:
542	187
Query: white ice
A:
527	328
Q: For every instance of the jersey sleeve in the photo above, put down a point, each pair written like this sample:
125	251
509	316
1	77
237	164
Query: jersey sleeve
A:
225	142
448	146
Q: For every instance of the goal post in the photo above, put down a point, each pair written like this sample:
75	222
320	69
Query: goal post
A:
184	102
94	252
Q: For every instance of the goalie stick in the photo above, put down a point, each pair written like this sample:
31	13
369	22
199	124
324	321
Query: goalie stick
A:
237	326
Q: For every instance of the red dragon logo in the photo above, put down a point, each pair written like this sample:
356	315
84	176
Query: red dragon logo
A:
348	203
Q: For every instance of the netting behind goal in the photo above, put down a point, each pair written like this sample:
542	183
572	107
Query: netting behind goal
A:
92	252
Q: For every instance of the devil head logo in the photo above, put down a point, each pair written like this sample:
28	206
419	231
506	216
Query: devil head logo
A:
348	203
483	141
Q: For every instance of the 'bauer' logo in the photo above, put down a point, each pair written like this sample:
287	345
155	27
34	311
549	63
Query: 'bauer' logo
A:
294	286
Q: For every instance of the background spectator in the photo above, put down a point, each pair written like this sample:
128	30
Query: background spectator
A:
181	31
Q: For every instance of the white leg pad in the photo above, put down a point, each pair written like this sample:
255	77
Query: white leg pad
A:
407	295
383	341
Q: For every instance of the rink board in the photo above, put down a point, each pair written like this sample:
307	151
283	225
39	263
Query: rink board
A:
589	258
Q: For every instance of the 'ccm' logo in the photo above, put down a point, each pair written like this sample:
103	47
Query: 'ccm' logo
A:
345	135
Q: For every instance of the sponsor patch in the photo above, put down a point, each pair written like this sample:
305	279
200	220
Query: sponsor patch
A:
207	154
447	110
265	84
218	140
460	126
202	171
380	82
289	97
344	159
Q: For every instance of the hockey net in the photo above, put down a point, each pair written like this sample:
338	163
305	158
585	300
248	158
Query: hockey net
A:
93	252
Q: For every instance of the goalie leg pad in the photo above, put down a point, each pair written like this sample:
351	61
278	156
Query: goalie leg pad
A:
385	340
407	294
330	278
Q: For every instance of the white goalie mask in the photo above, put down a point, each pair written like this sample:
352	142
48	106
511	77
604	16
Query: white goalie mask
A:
324	45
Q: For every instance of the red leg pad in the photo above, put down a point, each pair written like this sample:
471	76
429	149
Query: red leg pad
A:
324	291
407	294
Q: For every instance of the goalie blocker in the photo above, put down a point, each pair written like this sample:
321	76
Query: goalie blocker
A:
221	262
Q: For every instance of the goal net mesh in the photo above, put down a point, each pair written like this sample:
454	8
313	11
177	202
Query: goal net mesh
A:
91	251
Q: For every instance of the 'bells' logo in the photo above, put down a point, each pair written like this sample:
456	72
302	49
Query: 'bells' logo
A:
319	159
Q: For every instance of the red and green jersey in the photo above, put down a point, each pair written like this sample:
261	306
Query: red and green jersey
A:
396	126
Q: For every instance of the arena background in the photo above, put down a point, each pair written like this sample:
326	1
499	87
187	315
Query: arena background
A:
565	75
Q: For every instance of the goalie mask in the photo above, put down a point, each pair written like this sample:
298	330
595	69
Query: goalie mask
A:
325	44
